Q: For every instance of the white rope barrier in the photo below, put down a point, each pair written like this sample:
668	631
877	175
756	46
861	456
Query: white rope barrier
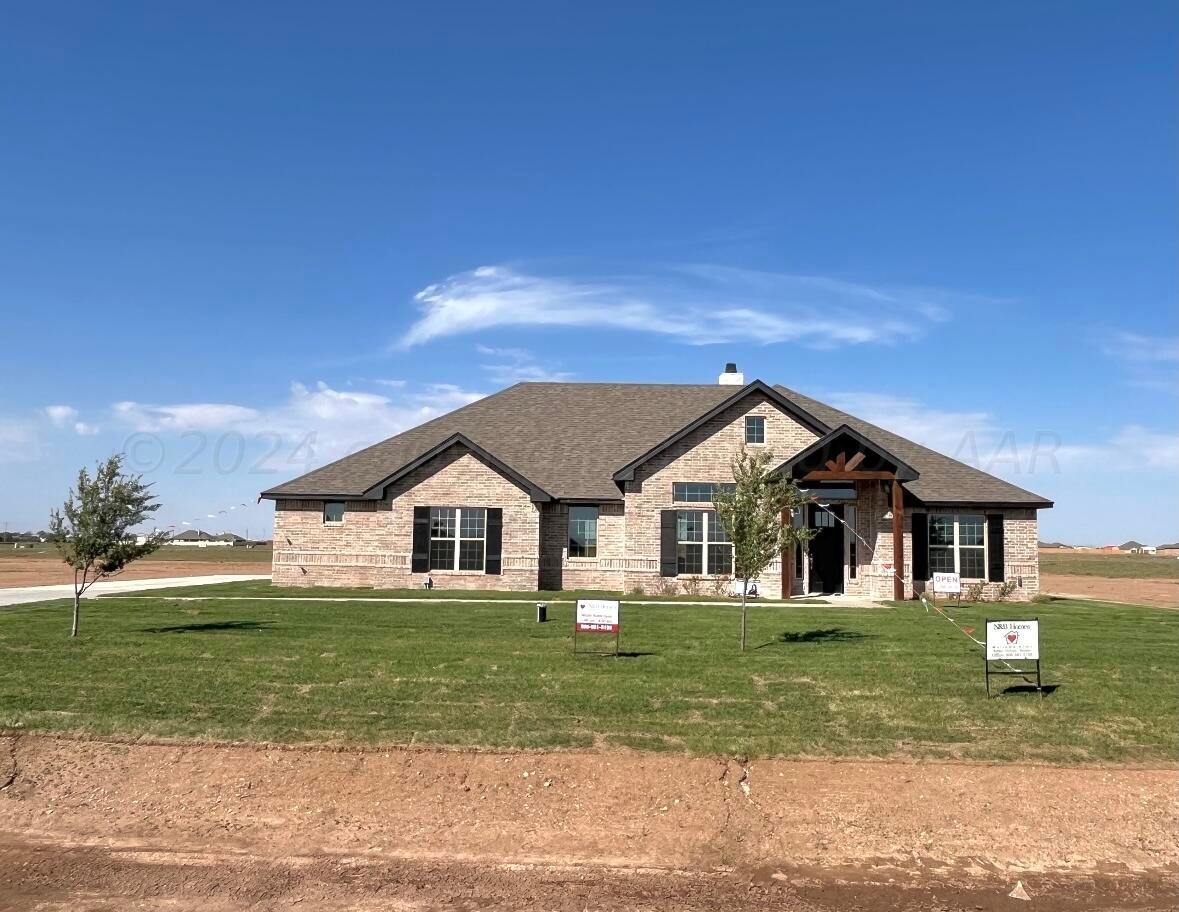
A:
920	595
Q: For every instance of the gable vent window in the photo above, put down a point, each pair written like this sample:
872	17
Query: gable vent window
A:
755	429
333	513
458	538
697	491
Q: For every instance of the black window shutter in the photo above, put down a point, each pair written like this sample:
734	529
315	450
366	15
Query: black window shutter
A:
495	541
668	566
995	547
920	547
420	555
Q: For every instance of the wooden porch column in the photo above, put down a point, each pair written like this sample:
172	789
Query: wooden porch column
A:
787	562
898	540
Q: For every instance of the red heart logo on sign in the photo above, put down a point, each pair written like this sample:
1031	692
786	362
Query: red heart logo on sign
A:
1012	637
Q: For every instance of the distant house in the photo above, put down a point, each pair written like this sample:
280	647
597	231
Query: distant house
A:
1133	547
1056	545
195	538
1171	550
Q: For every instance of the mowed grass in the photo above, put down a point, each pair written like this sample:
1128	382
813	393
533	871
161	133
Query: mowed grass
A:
265	589
258	555
817	680
1112	566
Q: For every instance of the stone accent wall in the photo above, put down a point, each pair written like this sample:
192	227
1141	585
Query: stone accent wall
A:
372	547
703	455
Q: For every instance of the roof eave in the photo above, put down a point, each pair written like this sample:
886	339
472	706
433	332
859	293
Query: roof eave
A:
991	504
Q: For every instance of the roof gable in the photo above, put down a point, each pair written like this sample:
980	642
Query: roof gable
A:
538	494
874	456
627	472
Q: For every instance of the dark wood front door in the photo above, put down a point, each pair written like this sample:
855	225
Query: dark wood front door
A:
826	549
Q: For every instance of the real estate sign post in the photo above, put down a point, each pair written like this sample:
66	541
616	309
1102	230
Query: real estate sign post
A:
597	616
1014	640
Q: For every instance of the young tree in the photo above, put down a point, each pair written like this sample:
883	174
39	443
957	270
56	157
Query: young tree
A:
751	514
90	530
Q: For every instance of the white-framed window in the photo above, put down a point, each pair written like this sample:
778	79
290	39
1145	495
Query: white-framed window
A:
698	491
458	538
958	544
333	513
702	545
755	429
583	531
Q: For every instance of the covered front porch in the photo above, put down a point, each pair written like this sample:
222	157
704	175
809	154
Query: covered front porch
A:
860	515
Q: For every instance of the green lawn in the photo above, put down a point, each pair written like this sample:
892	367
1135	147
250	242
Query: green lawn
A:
1113	566
264	589
819	680
260	554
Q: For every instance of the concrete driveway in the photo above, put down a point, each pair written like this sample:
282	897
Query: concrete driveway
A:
26	594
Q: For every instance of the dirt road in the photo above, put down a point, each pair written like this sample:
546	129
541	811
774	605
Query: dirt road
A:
83	823
32	571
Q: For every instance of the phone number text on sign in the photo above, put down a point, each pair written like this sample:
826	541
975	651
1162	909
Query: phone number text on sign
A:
596	616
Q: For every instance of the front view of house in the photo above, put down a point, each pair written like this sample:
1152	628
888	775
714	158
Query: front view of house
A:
609	486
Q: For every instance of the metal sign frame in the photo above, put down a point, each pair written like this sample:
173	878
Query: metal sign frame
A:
1011	669
617	631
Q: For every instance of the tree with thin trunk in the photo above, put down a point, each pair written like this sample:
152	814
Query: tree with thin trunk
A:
756	515
91	531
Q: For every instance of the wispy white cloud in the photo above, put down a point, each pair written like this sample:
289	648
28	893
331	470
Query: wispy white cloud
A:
19	440
1150	362
319	422
955	433
515	365
61	415
1139	349
66	416
693	304
197	416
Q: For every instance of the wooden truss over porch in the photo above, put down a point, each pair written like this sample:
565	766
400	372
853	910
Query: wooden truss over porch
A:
846	455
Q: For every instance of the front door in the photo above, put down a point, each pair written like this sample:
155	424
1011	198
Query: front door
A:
826	549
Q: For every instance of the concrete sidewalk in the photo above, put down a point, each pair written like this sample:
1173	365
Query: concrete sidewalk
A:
26	594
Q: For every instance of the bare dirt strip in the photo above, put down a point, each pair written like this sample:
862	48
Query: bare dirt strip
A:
87	824
1161	593
32	571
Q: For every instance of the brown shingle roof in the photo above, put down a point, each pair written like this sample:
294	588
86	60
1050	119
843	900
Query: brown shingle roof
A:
943	480
569	439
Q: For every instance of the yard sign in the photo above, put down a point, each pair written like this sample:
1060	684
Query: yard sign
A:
597	616
947	583
1014	640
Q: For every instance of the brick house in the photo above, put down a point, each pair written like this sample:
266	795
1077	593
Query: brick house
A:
608	486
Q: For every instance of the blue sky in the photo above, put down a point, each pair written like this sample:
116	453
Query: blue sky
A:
240	239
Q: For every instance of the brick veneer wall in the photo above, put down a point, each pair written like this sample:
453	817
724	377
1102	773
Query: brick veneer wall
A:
1021	555
559	571
704	455
372	547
